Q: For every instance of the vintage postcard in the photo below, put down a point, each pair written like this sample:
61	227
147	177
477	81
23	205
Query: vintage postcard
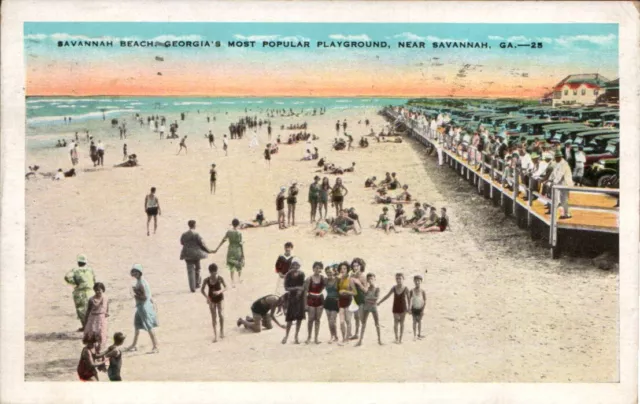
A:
391	195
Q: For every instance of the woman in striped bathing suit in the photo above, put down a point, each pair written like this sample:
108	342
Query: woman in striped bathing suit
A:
346	291
313	287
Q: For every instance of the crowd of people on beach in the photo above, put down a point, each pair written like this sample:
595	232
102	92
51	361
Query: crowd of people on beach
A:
342	289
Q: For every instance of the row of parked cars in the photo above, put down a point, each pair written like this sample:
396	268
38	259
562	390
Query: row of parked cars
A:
595	129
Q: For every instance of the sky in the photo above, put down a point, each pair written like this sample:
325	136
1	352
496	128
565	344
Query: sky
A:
393	72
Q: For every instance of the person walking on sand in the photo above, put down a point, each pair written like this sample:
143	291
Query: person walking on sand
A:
235	252
95	321
212	140
267	154
183	145
145	317
294	285
125	156
212	179
193	250
314	197
225	145
83	278
215	297
152	208
100	148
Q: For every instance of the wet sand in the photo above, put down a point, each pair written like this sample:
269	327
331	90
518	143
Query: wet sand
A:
498	309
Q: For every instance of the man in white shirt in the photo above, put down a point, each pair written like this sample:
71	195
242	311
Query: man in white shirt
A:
562	176
100	150
162	129
578	171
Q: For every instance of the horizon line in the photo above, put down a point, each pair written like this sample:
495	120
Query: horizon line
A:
283	96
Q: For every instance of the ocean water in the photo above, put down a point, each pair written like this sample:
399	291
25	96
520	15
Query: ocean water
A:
52	110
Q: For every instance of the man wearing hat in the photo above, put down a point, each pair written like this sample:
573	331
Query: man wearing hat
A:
562	176
537	171
83	278
193	250
578	170
314	197
546	179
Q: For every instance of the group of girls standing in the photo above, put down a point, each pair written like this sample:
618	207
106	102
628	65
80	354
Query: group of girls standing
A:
350	297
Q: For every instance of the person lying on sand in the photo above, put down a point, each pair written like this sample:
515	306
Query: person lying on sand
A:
383	198
259	221
339	171
32	171
132	162
370	182
384	222
263	312
70	173
322	228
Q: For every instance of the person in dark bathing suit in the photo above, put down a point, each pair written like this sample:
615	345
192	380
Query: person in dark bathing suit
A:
263	312
313	287
114	355
325	188
331	305
183	145
338	193
294	285
212	179
400	306
215	298
314	197
292	200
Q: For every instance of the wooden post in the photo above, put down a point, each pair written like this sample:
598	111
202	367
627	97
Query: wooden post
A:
516	186
553	230
530	200
493	163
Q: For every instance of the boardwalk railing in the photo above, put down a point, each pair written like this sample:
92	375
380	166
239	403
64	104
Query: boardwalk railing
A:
484	169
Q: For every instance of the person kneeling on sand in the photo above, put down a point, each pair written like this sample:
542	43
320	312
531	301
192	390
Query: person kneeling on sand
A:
263	312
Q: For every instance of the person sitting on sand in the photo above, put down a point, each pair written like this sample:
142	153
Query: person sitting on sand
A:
427	222
350	169
387	180
400	217
263	312
418	213
321	162
132	162
364	142
307	155
32	171
351	213
315	154
384	221
342	224
370	182
404	195
394	183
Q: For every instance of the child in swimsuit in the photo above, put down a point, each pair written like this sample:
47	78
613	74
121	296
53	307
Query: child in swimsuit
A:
418	300
385	222
400	305
114	354
215	298
314	286
370	307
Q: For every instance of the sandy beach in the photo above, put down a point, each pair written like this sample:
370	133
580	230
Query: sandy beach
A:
498	308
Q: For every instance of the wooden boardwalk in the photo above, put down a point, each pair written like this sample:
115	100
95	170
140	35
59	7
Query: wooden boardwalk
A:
592	209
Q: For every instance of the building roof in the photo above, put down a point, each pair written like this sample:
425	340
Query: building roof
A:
574	81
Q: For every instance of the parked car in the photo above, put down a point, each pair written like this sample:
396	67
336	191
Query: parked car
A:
600	172
585	137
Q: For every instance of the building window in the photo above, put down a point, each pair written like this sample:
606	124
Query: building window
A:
595	92
566	92
583	92
575	92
